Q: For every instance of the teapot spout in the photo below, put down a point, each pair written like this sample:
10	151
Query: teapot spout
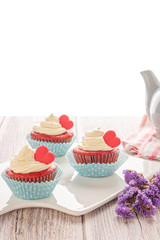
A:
152	84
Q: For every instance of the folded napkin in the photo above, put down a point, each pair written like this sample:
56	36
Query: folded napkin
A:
144	143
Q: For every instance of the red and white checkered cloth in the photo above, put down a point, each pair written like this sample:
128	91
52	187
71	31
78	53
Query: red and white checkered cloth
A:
144	143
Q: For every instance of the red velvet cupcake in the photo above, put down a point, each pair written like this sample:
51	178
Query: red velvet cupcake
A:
30	166
53	129
54	133
31	174
97	147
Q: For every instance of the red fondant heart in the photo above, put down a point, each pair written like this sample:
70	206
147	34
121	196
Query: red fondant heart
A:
40	153
65	122
111	139
49	158
43	155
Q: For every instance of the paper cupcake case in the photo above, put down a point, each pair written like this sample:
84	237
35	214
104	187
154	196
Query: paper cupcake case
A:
59	149
96	169
32	191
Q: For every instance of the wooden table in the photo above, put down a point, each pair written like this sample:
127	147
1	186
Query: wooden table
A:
102	223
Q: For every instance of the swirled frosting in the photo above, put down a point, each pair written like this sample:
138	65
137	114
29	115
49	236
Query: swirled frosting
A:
93	141
24	162
49	126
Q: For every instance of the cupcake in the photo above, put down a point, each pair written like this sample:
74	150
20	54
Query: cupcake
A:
32	174
97	155
97	147
54	133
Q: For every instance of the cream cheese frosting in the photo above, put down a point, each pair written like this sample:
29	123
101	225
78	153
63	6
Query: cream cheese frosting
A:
93	141
24	162
49	126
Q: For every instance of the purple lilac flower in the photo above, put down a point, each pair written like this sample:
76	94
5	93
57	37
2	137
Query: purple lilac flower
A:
128	195
144	205
132	183
156	180
153	193
141	196
134	179
124	211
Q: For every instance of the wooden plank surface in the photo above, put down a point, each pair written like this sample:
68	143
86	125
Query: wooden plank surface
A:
40	223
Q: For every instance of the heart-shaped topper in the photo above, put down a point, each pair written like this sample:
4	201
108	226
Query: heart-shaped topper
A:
111	139
43	155
65	122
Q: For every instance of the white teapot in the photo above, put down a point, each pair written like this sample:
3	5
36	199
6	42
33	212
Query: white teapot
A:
152	98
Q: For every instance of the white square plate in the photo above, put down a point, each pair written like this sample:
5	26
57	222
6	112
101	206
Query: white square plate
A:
74	194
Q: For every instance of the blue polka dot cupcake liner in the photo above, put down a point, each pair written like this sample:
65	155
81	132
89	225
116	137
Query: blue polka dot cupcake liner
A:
31	190
96	169
59	149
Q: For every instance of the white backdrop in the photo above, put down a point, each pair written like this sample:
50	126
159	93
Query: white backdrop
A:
77	57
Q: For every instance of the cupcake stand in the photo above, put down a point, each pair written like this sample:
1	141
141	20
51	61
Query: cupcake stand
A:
75	194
